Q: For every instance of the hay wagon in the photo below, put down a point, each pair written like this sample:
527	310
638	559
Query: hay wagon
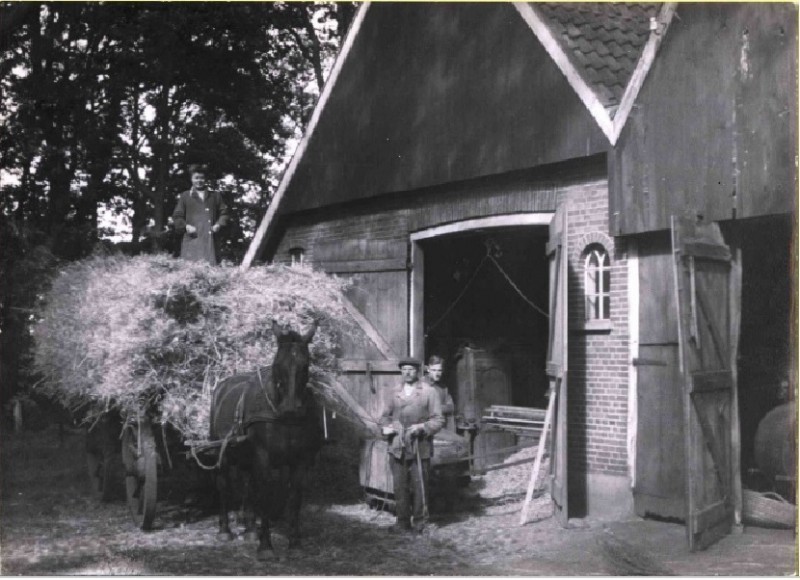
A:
136	454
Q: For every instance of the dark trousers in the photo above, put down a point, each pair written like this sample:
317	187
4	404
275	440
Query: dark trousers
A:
408	490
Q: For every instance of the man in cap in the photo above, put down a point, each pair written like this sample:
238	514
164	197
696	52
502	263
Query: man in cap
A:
411	418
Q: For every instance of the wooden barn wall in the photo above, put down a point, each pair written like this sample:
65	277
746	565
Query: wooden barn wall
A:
713	131
435	93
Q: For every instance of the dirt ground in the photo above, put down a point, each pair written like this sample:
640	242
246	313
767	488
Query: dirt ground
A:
51	524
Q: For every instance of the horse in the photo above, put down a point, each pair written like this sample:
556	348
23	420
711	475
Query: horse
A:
276	412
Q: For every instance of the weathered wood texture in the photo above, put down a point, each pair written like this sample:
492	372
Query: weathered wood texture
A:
660	464
714	129
435	93
704	326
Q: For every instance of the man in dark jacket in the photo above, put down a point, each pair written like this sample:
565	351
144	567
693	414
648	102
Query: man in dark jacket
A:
199	216
410	420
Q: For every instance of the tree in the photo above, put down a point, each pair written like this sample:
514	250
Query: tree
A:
106	104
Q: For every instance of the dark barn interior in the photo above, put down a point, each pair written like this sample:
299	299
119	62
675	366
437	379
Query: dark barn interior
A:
764	362
472	308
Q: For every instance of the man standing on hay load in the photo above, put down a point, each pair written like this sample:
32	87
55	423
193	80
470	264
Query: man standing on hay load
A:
199	216
410	420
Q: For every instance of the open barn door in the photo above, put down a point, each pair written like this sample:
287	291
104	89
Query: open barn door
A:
703	283
557	359
378	303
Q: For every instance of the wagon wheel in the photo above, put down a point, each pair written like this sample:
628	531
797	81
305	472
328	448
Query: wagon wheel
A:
103	462
139	457
104	469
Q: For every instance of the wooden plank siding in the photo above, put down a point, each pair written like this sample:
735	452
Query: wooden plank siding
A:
437	93
714	129
660	458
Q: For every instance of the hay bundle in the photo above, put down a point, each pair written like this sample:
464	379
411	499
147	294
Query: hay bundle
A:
156	333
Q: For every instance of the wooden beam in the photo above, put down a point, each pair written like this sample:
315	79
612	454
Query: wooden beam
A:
376	366
263	228
369	330
548	419
496	221
642	68
551	45
633	352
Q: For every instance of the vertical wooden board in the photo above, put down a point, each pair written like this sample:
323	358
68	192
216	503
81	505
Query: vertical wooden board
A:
660	464
766	131
417	322
557	359
658	322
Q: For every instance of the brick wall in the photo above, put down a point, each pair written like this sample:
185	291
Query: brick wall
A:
598	358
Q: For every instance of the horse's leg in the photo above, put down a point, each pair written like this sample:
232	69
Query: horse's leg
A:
223	488
264	489
297	476
248	507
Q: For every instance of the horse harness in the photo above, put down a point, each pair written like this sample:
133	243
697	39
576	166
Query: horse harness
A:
239	424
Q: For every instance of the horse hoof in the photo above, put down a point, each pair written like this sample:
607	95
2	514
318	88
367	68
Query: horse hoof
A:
251	536
265	555
226	536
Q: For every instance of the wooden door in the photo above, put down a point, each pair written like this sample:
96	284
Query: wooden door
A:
703	284
660	478
379	304
557	359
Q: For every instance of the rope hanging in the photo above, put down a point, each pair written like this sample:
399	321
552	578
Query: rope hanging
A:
516	288
460	296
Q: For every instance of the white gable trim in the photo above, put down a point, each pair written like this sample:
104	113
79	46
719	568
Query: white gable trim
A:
263	227
642	68
610	127
553	48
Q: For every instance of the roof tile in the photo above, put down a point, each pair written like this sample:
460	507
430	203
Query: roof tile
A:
603	40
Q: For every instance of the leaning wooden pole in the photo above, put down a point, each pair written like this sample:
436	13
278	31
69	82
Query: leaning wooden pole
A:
548	418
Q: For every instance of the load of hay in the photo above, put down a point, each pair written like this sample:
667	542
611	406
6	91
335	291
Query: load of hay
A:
157	334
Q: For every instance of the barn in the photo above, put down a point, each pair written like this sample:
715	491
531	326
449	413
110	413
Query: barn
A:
589	201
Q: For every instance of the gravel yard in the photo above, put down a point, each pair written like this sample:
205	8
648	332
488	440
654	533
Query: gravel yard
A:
51	524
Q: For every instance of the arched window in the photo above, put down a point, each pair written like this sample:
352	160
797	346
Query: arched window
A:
597	282
298	256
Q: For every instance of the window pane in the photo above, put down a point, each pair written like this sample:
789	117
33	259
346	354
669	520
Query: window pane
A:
606	306
591	307
606	282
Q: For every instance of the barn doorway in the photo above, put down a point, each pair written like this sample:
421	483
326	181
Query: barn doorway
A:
765	357
482	304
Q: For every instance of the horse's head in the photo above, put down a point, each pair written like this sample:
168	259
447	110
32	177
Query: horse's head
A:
290	369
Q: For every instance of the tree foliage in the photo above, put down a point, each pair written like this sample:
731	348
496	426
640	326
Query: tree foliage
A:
104	105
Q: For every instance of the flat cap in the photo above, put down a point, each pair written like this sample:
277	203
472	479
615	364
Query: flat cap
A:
409	362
